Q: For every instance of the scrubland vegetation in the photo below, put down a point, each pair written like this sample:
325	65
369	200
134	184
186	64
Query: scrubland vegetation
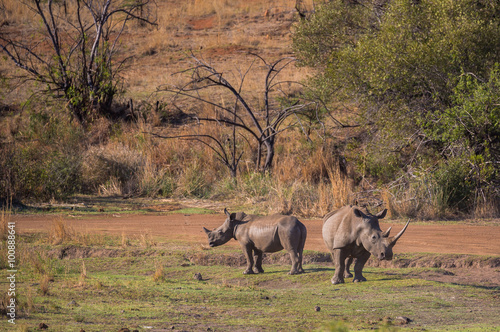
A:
398	104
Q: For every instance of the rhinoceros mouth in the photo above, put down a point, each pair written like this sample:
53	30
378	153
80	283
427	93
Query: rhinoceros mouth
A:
384	257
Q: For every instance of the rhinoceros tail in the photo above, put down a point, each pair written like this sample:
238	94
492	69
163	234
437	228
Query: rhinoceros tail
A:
303	236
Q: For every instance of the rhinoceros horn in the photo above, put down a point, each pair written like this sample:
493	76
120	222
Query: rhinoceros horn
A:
396	238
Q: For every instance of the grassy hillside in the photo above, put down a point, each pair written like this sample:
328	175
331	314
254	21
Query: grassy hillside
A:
318	165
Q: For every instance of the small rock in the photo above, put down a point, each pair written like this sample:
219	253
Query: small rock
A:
317	308
402	320
73	303
198	276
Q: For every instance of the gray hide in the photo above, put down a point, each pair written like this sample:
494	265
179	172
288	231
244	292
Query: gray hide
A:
350	234
257	235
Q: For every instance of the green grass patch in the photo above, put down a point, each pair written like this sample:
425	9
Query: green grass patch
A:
156	288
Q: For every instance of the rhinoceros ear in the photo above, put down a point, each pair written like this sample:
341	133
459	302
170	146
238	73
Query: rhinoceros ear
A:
358	213
206	230
382	214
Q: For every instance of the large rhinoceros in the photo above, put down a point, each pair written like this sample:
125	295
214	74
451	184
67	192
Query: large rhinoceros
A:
257	235
350	234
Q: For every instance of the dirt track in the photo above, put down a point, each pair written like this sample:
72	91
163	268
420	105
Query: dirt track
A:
430	238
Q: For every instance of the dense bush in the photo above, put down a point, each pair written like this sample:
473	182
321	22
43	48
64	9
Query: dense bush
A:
422	77
43	162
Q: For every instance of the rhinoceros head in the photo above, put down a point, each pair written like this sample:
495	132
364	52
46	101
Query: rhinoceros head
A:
223	233
372	238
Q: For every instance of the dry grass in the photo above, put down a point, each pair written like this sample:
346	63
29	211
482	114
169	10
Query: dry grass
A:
45	281
13	11
308	179
83	275
4	222
125	241
486	206
146	240
309	182
215	30
159	274
60	232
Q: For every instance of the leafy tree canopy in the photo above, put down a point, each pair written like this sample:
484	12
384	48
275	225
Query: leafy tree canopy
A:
418	71
400	55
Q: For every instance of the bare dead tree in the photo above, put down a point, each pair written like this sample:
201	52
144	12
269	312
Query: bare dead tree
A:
74	53
263	124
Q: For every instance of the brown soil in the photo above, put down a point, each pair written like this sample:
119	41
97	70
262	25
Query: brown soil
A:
420	238
449	247
203	23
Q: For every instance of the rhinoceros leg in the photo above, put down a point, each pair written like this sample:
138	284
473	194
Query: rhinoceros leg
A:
249	256
348	262
258	261
300	248
358	266
339	258
293	242
300	269
294	256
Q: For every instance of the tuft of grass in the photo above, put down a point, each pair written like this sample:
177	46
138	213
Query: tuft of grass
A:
45	280
125	241
60	232
193	181
159	274
146	240
83	275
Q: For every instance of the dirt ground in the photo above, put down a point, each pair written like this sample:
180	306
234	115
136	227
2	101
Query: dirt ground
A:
419	238
461	240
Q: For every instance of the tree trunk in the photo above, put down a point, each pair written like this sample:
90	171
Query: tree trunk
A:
270	154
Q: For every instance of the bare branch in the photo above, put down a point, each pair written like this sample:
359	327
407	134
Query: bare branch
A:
264	125
79	64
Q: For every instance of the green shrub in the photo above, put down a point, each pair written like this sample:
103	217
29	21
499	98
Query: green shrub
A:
452	186
44	162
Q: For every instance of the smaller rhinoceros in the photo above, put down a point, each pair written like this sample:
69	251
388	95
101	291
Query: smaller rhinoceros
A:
257	235
350	234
